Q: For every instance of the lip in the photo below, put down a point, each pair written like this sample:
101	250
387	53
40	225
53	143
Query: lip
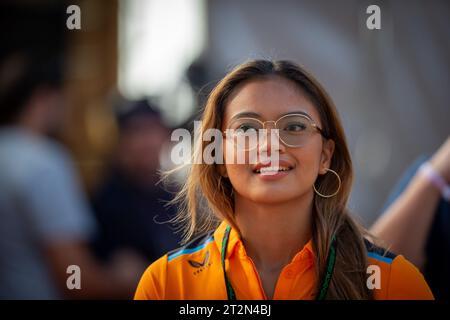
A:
281	163
273	175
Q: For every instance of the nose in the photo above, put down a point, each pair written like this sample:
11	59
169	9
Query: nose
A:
269	140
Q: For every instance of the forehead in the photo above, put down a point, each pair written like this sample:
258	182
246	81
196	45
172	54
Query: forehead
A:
270	98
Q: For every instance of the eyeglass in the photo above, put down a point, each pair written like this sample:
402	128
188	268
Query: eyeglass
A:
294	130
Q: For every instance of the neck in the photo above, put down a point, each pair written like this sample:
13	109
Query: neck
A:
273	233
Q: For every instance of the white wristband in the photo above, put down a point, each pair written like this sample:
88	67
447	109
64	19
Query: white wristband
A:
435	178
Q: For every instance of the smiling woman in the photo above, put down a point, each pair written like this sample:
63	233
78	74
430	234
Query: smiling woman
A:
283	235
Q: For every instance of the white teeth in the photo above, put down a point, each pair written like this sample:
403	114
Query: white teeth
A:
272	169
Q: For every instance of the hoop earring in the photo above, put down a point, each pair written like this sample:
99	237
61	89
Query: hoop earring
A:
331	195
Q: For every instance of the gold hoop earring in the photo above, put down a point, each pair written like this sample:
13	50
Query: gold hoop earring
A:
331	195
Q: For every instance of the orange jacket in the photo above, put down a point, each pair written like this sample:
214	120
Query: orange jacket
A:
195	272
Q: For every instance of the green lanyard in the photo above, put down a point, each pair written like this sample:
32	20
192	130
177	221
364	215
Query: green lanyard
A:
331	259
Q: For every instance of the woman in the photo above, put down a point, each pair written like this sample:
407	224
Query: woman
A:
285	231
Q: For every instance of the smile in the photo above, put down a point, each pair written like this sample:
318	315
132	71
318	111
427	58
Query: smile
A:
271	170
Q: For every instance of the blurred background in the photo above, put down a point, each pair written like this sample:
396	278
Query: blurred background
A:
136	69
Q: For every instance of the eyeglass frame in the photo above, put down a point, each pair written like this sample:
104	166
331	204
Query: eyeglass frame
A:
311	121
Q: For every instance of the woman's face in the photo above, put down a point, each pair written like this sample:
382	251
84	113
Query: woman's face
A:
268	99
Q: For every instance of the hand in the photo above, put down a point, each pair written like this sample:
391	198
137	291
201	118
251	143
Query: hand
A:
441	160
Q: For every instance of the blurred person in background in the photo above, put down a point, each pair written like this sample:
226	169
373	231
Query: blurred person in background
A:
46	223
129	205
417	220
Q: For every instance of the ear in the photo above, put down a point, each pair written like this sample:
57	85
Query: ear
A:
326	156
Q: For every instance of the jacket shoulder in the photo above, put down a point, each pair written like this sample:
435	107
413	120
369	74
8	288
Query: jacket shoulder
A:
400	279
193	246
378	253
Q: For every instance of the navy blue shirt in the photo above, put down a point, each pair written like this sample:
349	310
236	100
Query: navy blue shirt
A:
131	217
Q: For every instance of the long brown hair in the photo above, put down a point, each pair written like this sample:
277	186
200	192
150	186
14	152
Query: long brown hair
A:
206	189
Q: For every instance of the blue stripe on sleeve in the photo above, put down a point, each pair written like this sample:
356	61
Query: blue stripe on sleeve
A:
190	250
378	257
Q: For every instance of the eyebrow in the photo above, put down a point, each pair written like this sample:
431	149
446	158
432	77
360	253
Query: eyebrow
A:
246	114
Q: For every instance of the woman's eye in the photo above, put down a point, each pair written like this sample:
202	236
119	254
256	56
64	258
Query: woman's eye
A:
295	127
245	128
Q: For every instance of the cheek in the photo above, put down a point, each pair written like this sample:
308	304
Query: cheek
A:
308	162
240	177
237	172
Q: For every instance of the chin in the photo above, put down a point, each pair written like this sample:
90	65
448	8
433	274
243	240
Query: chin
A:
271	196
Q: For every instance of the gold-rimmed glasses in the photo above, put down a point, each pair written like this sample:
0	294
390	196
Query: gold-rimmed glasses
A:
293	130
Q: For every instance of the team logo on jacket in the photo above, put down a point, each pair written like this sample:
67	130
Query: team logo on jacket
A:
200	266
